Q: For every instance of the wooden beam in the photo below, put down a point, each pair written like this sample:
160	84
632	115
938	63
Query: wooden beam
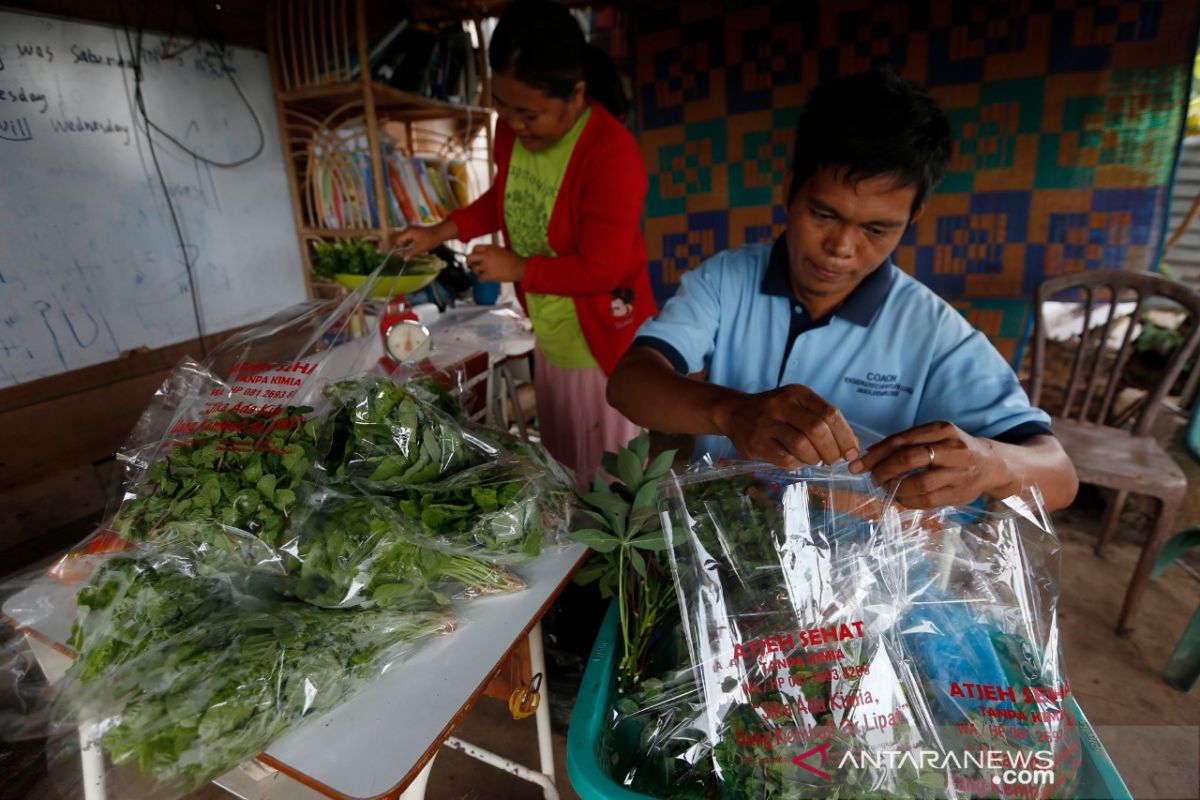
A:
131	364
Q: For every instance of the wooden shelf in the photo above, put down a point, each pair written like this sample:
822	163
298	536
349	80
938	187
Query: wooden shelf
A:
340	233
313	45
389	101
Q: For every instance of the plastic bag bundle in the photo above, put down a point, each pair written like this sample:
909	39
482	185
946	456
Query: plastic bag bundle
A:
294	516
382	438
360	552
842	646
187	675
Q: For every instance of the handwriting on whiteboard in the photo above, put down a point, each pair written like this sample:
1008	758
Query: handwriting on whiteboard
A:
90	262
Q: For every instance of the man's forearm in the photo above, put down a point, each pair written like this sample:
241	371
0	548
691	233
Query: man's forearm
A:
1039	460
649	392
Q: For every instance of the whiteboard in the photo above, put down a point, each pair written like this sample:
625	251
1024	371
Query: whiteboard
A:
90	264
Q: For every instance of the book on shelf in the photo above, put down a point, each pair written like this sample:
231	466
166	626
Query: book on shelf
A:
383	49
406	66
407	209
459	182
419	190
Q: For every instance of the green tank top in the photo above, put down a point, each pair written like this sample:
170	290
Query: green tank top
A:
534	179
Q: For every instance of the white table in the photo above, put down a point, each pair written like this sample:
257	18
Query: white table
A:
383	738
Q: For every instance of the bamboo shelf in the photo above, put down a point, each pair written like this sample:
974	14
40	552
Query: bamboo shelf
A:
314	48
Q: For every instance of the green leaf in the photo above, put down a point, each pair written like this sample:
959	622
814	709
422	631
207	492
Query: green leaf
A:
284	499
600	541
639	563
591	571
606	501
596	515
645	497
656	541
630	468
609	462
266	486
932	780
640	445
660	466
211	490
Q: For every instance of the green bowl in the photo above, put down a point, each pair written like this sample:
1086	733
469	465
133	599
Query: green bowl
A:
387	286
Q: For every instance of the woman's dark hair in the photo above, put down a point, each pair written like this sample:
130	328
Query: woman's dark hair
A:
871	124
541	45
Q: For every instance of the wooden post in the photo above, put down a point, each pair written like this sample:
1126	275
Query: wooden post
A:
275	59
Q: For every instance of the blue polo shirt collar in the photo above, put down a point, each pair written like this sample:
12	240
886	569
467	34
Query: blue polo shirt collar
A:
859	307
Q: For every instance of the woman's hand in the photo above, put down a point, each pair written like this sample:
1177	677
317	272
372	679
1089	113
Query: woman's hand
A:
417	239
494	263
938	464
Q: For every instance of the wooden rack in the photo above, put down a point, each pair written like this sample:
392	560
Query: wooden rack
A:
314	46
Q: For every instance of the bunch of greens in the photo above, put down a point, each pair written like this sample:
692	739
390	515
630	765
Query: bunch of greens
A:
381	438
219	680
359	256
626	542
357	552
662	743
277	561
238	473
499	509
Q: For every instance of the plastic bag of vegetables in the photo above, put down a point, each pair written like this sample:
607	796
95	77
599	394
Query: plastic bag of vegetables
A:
179	678
835	644
272	557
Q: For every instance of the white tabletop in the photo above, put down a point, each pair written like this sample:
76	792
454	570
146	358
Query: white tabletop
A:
381	737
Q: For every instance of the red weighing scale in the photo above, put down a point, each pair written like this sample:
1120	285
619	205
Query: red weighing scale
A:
405	339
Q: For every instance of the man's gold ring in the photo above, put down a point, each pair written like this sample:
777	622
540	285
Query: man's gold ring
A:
931	454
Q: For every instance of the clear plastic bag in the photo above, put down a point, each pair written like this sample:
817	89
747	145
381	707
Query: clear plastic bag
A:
382	438
182	677
841	645
262	557
349	552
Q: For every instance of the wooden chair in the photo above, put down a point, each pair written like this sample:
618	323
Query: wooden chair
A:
1107	437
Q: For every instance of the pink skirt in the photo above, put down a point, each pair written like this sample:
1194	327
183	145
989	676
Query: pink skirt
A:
576	422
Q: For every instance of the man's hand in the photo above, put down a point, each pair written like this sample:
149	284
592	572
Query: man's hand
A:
937	464
790	426
494	263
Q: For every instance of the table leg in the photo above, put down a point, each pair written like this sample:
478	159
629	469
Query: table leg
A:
511	383
91	756
416	789
549	791
543	778
537	657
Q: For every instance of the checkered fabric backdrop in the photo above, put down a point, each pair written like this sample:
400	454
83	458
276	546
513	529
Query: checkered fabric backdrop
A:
1066	115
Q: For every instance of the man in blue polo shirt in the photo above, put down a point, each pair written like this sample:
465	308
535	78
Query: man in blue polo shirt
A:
817	348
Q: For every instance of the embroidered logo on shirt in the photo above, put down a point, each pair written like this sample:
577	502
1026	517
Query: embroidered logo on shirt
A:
879	384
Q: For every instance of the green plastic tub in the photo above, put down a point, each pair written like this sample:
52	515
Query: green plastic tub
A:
1098	778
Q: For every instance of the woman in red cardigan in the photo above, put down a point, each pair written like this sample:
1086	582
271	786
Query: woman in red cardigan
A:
568	198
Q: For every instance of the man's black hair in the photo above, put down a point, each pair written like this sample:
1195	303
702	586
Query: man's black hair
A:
872	124
540	44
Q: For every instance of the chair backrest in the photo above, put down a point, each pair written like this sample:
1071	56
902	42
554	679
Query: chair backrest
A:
1097	367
